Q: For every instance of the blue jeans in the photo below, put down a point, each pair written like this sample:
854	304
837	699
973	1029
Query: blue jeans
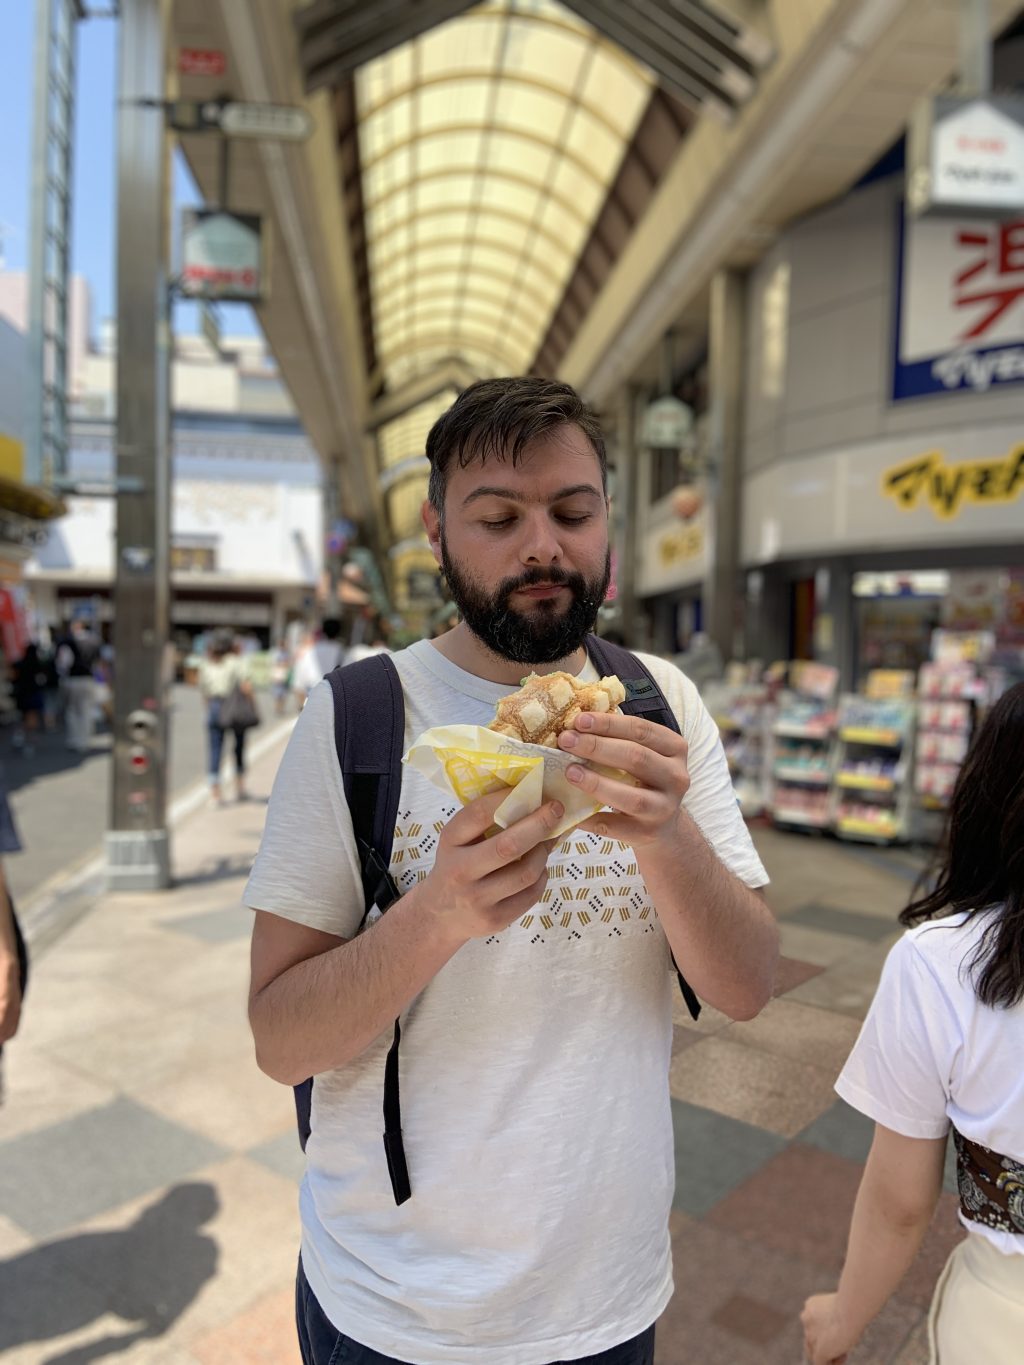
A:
322	1344
217	733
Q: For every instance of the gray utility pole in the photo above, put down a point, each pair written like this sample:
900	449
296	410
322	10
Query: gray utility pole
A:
138	855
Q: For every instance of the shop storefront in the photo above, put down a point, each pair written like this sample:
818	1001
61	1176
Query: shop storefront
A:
883	490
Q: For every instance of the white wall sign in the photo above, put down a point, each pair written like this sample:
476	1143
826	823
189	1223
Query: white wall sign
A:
960	314
673	551
222	255
937	488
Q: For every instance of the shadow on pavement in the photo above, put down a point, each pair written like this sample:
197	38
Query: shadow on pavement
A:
218	871
146	1274
49	755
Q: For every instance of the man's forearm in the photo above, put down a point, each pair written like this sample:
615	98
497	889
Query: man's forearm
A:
325	1011
722	934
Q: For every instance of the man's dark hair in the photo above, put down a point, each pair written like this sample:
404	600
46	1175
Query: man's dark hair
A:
331	628
500	419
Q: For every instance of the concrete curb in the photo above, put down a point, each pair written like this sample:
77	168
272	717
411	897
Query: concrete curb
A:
71	893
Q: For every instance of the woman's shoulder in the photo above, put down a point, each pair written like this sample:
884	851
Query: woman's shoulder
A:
946	947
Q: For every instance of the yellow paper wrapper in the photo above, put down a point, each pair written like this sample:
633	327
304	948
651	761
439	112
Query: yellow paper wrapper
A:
471	761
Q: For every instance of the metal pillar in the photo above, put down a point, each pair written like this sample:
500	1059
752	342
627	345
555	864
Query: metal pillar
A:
138	855
46	443
722	606
625	516
975	48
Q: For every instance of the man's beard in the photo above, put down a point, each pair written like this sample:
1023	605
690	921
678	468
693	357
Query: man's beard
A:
548	633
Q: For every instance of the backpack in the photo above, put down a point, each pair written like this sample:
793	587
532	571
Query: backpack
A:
370	758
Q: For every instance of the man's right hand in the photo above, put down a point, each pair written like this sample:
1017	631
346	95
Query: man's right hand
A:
479	885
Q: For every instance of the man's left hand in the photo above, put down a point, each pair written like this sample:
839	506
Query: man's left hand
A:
645	810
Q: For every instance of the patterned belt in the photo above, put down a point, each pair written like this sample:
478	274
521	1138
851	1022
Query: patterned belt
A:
991	1186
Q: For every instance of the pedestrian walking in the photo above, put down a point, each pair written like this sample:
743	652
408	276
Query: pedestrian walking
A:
222	677
320	655
13	953
77	657
940	1052
531	983
280	676
28	685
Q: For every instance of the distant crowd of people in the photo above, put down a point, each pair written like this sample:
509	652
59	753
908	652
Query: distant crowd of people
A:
226	683
66	679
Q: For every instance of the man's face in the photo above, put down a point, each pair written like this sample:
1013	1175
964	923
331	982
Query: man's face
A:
525	548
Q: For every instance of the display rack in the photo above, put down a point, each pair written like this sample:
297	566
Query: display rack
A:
947	693
743	715
803	741
870	798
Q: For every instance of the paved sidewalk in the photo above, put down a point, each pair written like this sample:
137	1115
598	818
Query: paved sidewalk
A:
148	1171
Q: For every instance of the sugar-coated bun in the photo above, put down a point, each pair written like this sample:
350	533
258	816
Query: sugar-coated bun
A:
549	703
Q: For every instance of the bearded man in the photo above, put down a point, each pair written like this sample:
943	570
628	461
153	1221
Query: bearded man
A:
534	1060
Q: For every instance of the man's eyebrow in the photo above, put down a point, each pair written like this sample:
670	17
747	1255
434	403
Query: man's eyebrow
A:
514	494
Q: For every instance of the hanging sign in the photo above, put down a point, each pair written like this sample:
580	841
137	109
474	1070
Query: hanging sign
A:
201	61
966	155
960	308
222	255
667	424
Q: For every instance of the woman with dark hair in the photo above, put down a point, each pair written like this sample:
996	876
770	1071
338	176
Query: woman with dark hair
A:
942	1049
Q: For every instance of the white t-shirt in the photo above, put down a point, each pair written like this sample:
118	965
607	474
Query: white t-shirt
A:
931	1054
535	1101
317	659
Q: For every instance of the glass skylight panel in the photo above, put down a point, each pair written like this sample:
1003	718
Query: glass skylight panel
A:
480	188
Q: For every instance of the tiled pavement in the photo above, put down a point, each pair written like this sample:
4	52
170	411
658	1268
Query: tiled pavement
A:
148	1170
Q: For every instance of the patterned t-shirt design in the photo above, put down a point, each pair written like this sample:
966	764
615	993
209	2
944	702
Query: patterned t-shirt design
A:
594	883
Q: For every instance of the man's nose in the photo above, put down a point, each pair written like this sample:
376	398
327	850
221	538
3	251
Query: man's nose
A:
540	543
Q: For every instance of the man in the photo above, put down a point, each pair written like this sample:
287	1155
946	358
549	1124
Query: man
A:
319	657
536	1038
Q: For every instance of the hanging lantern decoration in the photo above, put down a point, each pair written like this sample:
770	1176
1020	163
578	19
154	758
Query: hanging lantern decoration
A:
687	501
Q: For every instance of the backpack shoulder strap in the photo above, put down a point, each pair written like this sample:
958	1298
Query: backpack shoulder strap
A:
643	698
369	736
643	695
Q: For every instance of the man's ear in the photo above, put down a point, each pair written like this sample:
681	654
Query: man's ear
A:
432	526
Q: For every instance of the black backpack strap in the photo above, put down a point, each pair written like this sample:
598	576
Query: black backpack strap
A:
369	736
643	698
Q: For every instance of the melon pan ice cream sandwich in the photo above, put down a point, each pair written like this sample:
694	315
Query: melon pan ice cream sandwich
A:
549	703
519	750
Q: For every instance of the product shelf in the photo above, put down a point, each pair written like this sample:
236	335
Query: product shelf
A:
871	788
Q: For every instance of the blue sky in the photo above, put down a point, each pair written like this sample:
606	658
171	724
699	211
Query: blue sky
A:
92	235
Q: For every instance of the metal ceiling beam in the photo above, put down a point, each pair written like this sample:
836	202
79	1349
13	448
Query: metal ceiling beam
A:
452	373
493	173
336	36
629	30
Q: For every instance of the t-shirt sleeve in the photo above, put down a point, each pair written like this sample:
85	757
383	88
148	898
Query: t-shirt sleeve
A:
900	1068
711	800
306	869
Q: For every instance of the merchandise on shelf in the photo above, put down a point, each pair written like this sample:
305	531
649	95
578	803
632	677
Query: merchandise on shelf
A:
870	797
951	687
794	805
742	712
802	744
935	781
864	818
